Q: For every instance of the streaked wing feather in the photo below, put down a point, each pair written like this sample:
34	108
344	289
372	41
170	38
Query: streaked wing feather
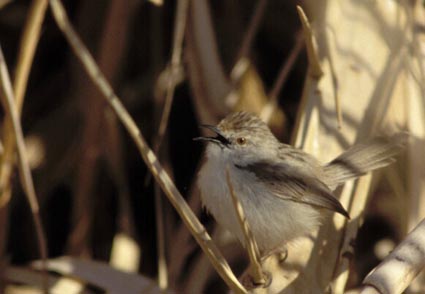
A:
295	184
364	157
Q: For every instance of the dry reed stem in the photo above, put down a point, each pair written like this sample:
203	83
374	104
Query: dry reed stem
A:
416	187
269	108
9	105
29	40
250	243
174	66
401	266
371	123
286	67
317	135
198	231
111	47
315	69
28	44
125	252
359	194
183	243
208	79
416	122
248	39
416	118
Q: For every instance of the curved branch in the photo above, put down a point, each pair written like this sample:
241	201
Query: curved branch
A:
193	224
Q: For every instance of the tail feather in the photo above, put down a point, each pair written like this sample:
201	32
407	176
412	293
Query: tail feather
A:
361	158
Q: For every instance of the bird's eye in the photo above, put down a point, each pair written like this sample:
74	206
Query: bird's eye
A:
241	141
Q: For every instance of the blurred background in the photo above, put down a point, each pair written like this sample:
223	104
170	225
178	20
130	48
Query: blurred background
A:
96	196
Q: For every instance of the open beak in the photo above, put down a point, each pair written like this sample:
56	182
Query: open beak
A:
218	139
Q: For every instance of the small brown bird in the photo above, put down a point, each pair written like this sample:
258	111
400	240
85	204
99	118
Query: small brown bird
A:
284	191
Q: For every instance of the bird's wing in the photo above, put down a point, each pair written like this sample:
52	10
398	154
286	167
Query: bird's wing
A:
361	158
295	184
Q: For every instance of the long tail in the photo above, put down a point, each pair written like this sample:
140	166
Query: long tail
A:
361	158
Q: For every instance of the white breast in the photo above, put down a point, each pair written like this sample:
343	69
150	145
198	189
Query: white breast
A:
272	220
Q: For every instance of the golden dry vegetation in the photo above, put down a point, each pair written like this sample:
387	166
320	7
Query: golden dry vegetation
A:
101	100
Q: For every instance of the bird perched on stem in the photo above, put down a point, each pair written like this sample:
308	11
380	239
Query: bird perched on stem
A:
284	191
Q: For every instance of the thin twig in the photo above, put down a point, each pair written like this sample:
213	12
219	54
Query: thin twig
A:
111	47
250	244
335	85
253	27
315	69
174	66
338	109
29	40
9	105
28	44
206	72
286	67
268	109
197	229
27	48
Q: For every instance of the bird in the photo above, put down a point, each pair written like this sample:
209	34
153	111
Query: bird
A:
285	192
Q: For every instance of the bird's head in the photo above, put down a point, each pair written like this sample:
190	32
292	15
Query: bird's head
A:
240	137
